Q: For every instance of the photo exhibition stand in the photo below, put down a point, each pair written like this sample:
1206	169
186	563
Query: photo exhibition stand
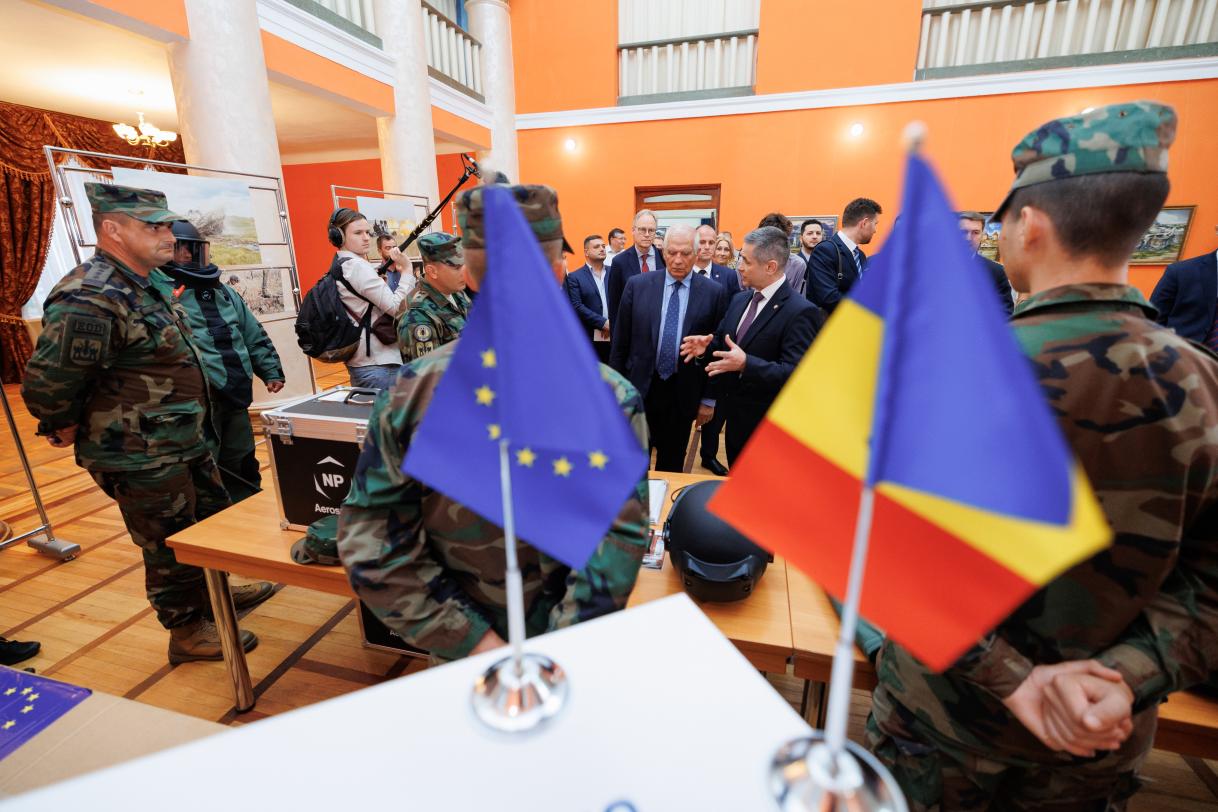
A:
269	285
392	213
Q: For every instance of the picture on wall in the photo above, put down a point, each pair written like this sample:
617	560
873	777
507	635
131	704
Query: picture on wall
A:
828	222
261	288
1164	240
396	217
221	208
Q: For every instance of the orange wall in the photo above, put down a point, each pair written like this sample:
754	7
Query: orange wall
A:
565	54
290	60
168	15
307	188
805	162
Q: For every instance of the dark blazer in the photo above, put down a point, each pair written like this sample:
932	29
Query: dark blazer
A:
727	277
823	287
625	265
1001	283
1186	294
636	333
586	298
775	343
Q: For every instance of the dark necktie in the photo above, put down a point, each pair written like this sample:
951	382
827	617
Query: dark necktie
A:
749	315
643	263
859	261
672	326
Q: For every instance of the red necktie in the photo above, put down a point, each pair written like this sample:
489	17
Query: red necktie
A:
643	262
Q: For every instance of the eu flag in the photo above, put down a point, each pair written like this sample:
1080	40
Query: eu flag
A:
523	371
29	704
917	386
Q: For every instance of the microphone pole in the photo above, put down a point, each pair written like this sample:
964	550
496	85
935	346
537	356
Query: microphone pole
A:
471	169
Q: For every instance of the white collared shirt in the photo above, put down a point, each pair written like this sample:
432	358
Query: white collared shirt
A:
851	245
767	293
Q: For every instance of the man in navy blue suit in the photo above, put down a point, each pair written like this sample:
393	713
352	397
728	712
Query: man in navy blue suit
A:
760	340
586	288
656	311
838	262
704	264
972	225
1186	297
638	258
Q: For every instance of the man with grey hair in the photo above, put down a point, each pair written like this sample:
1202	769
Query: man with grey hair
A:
760	340
638	258
656	311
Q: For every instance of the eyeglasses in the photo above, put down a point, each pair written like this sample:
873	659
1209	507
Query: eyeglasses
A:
644	231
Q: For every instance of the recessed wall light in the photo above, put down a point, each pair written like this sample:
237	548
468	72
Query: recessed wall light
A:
569	145
856	129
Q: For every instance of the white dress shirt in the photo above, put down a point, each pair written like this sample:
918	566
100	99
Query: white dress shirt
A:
599	279
767	293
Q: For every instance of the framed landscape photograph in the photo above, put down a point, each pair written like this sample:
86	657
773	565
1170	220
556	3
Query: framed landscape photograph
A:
828	222
989	240
1164	240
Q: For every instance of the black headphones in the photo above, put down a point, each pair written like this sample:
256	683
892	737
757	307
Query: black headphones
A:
333	231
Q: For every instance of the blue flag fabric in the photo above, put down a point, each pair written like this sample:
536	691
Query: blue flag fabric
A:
29	704
524	371
935	400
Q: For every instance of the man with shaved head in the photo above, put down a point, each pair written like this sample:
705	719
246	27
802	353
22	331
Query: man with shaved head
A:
656	311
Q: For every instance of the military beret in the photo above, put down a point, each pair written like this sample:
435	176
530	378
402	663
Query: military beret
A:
1130	137
148	205
538	204
441	247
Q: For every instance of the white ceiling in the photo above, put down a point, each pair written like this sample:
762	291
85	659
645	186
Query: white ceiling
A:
61	61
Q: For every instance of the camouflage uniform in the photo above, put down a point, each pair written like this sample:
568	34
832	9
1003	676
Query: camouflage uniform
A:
433	319
1139	406
432	570
234	347
115	359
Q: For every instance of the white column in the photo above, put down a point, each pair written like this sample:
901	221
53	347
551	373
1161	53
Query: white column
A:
491	24
221	90
407	139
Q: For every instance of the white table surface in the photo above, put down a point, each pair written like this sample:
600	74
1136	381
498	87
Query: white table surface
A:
663	712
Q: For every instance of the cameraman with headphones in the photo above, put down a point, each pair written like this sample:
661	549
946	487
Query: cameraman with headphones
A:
377	357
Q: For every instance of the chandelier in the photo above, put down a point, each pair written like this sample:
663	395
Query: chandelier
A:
146	134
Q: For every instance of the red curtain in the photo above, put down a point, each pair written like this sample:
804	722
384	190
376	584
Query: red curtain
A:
27	201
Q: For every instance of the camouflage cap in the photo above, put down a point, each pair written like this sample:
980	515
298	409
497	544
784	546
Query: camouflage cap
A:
538	203
1130	137
148	205
440	247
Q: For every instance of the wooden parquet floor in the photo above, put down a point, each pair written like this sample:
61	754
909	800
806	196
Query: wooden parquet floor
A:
97	629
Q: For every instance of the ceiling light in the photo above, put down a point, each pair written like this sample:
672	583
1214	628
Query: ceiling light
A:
856	129
570	145
146	134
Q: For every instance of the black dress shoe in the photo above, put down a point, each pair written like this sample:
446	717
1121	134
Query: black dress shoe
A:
12	652
715	467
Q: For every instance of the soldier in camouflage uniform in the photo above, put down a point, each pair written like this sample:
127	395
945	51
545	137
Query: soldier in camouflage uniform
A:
1056	709
439	305
234	348
432	570
115	373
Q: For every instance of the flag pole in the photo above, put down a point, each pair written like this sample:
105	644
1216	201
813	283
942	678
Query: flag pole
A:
521	691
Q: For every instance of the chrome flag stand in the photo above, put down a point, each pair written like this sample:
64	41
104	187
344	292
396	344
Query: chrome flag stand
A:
519	692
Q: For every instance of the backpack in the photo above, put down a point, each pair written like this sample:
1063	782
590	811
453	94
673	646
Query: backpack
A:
324	329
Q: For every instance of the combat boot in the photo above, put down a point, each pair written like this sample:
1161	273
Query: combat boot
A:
201	641
247	596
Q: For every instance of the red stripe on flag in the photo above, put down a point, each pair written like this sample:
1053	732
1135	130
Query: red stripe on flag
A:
930	591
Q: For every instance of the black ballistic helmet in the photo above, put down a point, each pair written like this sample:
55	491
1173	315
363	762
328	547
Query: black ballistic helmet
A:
191	255
715	561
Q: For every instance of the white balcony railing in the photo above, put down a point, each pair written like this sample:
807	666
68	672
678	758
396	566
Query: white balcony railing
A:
957	34
357	12
452	53
719	62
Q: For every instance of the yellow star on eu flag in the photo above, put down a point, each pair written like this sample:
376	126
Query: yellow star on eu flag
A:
562	466
493	431
25	691
526	457
9	724
488	358
27	709
597	460
10	692
32	697
485	395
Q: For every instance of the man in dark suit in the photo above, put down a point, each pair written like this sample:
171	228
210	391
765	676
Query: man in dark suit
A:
656	311
586	288
761	339
1186	297
638	258
705	265
972	224
839	261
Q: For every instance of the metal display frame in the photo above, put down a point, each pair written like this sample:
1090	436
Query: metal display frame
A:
57	158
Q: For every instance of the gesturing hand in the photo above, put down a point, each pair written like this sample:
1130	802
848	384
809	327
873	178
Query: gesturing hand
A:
1078	706
730	360
694	347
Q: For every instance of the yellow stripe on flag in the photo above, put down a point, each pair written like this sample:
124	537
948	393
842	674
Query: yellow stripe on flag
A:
828	402
1036	551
